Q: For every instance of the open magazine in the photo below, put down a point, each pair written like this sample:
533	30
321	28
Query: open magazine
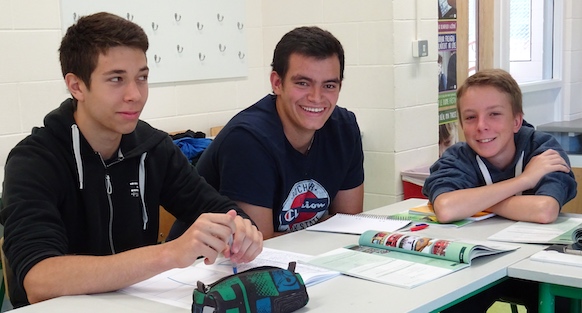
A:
405	259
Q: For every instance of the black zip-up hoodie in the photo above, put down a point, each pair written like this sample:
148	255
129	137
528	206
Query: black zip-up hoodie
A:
59	196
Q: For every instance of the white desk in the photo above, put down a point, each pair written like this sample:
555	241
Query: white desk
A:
345	294
555	279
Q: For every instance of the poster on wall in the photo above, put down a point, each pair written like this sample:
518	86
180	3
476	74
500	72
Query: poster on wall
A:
447	73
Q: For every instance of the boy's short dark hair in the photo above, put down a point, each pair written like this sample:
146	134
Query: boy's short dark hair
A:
310	41
499	79
93	35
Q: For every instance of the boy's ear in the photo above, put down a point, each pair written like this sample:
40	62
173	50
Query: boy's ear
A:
276	83
75	85
517	121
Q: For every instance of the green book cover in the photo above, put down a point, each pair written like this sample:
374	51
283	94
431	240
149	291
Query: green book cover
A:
427	219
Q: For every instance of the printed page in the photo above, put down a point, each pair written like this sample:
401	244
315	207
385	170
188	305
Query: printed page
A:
560	232
175	287
385	266
271	257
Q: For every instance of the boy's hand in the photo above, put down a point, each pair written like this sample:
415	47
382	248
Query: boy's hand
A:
547	162
247	242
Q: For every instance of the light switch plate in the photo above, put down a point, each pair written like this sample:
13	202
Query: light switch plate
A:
420	48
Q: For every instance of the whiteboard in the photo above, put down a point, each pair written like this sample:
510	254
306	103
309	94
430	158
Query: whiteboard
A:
189	39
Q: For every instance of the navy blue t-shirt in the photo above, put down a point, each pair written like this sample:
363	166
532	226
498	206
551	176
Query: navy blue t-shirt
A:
251	161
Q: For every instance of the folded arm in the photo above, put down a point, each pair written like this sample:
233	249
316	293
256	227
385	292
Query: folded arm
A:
500	197
207	237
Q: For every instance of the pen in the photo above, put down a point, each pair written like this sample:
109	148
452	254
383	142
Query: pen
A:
572	251
234	265
418	227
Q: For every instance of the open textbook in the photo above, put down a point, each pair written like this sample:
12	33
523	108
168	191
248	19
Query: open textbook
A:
175	287
565	230
404	259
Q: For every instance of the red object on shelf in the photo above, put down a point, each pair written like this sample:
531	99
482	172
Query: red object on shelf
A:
412	181
412	190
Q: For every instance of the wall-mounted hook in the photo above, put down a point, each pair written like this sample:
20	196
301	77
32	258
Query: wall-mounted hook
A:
155	26
241	55
240	25
177	17
200	26
201	56
179	48
129	17
220	17
157	58
221	47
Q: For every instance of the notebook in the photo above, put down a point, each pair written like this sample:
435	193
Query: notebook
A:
359	223
428	210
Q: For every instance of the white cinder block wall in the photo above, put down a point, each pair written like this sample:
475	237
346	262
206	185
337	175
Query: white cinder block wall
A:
393	95
572	62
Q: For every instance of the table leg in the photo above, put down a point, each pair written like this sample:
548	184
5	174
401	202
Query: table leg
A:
547	299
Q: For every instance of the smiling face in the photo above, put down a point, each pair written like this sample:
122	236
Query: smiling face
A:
111	106
308	93
489	124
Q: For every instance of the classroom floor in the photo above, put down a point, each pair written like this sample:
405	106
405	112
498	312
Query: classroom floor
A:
503	307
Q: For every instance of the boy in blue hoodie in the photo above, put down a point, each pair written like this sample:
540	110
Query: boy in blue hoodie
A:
505	167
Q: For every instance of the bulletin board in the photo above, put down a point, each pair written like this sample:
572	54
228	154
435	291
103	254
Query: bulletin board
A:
189	39
447	61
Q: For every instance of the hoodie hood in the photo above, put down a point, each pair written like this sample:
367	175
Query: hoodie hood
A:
61	123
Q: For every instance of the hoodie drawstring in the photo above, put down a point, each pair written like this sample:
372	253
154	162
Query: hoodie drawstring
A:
142	189
77	152
487	175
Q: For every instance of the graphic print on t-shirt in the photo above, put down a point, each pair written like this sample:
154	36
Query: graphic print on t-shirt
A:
305	205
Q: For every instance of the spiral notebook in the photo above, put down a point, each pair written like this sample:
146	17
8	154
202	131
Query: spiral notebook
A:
359	223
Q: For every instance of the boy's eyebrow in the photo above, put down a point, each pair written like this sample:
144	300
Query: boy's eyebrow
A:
143	69
115	72
302	77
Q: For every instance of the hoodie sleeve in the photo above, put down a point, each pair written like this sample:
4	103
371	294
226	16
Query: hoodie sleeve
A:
33	228
559	185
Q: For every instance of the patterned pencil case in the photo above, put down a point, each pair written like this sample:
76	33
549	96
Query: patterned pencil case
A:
265	289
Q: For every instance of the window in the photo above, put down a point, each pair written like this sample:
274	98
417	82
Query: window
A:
530	40
518	36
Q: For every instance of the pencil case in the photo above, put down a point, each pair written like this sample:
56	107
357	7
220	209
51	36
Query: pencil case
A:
264	289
